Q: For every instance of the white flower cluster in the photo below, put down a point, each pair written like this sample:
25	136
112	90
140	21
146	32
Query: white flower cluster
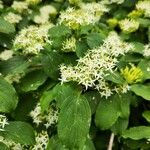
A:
3	122
20	7
144	5
11	144
147	50
31	40
13	18
129	25
1	4
14	77
122	88
6	54
49	118
41	141
69	45
88	13
92	69
45	12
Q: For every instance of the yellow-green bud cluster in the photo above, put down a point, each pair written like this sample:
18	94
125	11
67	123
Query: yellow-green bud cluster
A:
132	75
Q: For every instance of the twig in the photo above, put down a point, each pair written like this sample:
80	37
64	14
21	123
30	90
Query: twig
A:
111	141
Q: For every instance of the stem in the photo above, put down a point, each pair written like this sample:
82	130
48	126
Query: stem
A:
111	141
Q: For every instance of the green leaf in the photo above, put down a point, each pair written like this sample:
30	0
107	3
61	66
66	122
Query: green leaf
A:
138	47
6	40
144	65
55	144
85	29
137	133
46	98
17	64
33	80
3	146
81	48
141	90
95	39
128	3
26	104
51	62
118	105
115	77
20	132
58	93
136	144
8	97
74	121
144	22
120	126
131	57
103	118
59	30
6	27
93	98
124	101
88	145
146	115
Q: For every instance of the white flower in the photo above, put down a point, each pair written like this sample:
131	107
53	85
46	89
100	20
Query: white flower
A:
3	122
91	13
148	69
122	88
129	25
47	119
45	13
13	18
1	4
36	114
6	54
11	144
144	6
146	51
14	77
69	45
41	141
39	19
91	69
51	118
48	9
31	40
19	6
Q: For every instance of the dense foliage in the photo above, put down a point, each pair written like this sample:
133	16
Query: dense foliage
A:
75	74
